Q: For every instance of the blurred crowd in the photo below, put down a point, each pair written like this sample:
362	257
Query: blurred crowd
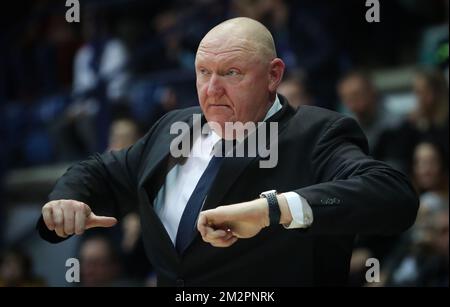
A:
68	90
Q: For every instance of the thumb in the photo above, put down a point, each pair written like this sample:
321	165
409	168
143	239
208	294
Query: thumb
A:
99	221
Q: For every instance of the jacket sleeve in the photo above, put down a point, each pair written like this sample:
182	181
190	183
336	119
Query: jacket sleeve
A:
107	183
355	194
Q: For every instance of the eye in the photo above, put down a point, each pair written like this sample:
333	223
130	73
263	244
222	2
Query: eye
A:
203	71
232	72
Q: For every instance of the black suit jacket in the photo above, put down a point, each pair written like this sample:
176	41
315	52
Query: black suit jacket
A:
322	157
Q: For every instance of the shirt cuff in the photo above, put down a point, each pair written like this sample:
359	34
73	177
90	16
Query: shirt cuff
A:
301	212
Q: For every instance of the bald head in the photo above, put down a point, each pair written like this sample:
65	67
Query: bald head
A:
240	33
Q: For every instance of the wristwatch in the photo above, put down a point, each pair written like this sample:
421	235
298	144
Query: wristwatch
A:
274	207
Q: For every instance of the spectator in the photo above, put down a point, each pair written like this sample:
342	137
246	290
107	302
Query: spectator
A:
431	114
422	260
431	175
429	121
99	262
100	79
294	89
123	133
16	270
359	96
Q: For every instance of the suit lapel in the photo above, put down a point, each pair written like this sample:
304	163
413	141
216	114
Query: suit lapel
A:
157	164
161	152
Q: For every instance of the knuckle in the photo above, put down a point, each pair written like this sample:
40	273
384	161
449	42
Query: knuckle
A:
68	216
56	205
64	203
48	206
78	205
79	232
68	228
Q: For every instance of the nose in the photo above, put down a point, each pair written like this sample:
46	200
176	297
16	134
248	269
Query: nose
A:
215	87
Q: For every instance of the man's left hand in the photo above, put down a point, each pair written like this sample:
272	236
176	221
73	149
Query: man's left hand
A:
224	225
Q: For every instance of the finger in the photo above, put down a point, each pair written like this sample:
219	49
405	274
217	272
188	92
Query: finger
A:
201	224
48	218
231	241
225	243
228	236
69	221
224	239
207	231
212	234
58	218
60	232
86	208
80	222
100	221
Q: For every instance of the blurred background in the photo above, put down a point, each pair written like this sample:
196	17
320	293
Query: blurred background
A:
68	90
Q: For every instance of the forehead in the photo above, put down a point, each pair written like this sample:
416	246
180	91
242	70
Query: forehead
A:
226	50
354	82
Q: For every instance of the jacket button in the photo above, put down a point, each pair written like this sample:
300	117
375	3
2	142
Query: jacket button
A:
180	282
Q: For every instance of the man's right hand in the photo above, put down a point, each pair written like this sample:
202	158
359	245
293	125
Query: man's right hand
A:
67	217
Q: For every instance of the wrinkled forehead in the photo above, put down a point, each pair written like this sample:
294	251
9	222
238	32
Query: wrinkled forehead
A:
221	45
227	49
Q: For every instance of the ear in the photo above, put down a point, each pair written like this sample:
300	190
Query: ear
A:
276	71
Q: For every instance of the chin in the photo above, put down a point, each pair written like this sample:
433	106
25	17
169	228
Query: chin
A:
221	119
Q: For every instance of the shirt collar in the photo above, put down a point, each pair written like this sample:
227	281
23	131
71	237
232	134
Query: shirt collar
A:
276	106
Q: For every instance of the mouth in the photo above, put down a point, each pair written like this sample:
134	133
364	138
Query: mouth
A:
220	105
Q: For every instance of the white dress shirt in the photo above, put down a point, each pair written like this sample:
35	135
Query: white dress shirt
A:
181	180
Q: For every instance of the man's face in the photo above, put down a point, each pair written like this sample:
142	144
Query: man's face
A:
427	167
123	134
424	93
356	95
294	92
233	82
97	266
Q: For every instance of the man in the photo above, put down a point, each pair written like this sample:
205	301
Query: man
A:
294	89
100	265
122	134
360	97
332	190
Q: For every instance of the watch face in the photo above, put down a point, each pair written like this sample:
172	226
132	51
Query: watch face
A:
271	192
266	193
